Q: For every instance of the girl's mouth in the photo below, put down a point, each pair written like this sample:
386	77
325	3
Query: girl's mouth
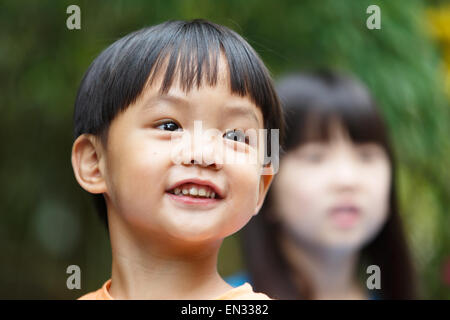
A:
345	216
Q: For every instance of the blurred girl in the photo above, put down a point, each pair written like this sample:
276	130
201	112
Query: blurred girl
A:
331	211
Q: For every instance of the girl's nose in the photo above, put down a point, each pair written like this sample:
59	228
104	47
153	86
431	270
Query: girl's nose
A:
345	174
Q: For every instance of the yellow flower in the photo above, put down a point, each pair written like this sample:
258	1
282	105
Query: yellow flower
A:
439	19
440	23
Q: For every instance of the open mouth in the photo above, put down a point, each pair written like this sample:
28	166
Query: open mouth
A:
345	216
196	191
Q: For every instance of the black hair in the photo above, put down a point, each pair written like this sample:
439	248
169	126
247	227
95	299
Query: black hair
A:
187	49
311	103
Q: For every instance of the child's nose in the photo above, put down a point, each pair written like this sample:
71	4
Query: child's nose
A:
205	153
213	164
345	174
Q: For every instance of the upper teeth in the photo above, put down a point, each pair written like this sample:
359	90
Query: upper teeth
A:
192	190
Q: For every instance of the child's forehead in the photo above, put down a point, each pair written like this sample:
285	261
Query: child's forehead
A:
218	94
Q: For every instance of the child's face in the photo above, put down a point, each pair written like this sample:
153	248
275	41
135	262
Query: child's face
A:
138	165
334	195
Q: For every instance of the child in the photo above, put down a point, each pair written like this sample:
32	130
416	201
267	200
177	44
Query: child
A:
167	219
331	211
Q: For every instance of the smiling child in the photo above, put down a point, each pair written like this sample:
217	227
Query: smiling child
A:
167	219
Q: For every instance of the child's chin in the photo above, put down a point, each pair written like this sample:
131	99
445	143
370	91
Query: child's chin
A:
349	241
195	238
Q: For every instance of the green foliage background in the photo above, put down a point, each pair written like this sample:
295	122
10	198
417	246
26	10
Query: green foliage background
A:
48	223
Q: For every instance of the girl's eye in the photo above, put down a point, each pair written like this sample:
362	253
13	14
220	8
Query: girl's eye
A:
236	135
312	154
169	126
368	154
314	157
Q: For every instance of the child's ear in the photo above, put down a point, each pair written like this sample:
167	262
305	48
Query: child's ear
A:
264	184
87	163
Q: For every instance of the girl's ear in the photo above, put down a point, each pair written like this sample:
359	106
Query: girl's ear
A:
264	184
87	163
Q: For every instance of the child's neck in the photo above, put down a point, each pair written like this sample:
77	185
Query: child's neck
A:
332	276
144	269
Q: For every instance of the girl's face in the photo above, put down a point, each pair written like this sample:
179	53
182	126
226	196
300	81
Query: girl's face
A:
334	195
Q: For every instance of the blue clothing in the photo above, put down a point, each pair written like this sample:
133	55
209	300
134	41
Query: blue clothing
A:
373	295
241	277
238	279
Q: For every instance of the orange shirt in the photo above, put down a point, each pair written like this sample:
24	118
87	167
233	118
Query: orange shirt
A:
243	292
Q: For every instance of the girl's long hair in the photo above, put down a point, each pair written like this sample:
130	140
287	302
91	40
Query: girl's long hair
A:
310	103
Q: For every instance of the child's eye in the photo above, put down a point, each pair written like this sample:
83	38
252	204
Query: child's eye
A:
314	157
369	153
313	153
366	155
236	135
169	125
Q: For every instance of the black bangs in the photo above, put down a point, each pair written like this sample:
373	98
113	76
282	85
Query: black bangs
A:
185	50
313	103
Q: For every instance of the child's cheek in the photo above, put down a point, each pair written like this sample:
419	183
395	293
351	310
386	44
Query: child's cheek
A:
134	178
299	196
243	195
377	201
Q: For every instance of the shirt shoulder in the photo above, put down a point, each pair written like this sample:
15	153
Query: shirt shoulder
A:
94	295
100	294
243	292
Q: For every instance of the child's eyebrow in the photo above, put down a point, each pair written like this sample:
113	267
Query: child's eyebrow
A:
165	98
240	110
232	109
